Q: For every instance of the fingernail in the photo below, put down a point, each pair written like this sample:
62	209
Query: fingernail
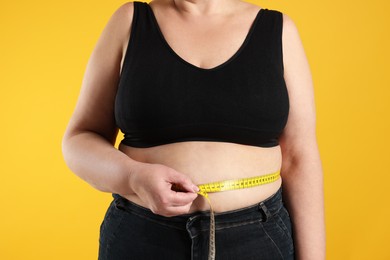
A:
195	188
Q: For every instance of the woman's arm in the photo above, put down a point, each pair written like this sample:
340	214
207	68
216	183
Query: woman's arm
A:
88	143
301	167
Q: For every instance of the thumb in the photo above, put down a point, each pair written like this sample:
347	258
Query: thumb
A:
181	182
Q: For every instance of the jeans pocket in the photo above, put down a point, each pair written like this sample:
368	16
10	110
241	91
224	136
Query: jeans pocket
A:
284	221
278	230
106	218
111	222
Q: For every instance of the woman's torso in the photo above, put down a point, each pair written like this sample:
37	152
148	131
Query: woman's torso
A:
205	162
208	43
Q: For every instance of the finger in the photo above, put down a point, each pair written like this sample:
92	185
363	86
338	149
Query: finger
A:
178	210
172	210
182	182
181	198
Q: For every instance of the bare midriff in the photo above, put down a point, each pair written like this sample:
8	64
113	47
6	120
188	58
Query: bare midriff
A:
205	162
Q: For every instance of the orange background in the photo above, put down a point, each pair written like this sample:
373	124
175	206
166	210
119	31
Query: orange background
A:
49	213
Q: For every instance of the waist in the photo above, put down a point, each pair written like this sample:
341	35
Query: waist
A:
267	207
206	162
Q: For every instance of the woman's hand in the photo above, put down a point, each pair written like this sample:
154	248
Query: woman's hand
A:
165	191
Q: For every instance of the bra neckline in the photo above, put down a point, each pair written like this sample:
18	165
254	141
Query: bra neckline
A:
221	65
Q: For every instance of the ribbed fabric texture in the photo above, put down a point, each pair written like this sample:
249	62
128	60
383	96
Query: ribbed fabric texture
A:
163	99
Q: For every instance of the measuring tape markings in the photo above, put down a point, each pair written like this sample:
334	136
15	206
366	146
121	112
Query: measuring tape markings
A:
204	189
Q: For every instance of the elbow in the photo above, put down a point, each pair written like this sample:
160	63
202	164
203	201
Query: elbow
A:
70	148
65	149
69	152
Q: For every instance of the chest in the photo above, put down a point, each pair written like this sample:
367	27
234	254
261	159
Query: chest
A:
161	91
204	46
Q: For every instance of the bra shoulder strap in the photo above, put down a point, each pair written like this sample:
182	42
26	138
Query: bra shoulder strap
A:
268	35
141	35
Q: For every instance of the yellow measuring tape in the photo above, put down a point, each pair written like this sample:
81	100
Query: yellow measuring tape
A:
204	189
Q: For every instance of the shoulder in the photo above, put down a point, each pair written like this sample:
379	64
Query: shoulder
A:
123	15
248	8
287	29
117	29
292	43
125	9
289	26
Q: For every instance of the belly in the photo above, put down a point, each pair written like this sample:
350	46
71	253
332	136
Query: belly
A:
205	162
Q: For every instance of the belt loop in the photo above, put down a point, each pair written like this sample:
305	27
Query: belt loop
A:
119	203
266	213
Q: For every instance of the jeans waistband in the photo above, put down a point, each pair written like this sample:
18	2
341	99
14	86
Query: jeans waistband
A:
267	208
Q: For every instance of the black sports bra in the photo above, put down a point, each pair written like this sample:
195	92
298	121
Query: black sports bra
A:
164	99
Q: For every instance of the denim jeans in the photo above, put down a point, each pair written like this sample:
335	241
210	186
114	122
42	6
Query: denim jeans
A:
261	231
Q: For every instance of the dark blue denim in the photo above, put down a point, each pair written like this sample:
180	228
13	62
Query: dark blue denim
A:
261	231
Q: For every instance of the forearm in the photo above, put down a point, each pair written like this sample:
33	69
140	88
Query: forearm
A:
303	193
98	162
